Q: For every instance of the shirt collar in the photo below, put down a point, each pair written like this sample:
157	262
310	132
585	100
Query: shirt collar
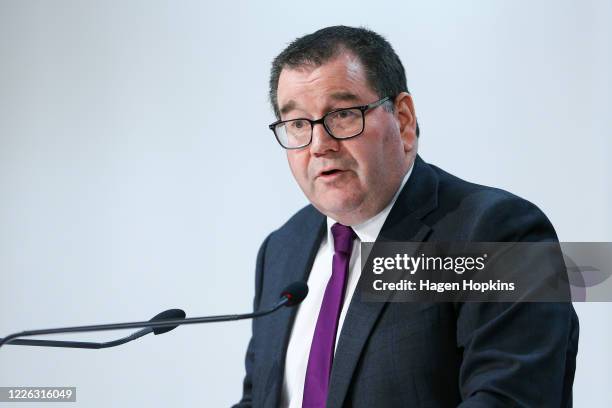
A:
368	230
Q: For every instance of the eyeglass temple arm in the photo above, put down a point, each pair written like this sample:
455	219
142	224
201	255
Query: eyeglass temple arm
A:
377	103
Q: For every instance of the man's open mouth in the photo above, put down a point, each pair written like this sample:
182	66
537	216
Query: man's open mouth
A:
330	172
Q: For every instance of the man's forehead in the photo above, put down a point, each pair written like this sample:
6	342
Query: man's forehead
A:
343	66
339	79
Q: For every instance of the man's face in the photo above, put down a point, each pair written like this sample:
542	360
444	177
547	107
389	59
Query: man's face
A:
349	180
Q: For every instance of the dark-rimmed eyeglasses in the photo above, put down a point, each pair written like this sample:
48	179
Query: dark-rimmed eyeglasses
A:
341	124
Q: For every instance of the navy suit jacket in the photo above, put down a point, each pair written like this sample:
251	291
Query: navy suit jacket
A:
423	354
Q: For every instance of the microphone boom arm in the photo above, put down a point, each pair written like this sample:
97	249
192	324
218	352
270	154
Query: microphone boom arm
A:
13	338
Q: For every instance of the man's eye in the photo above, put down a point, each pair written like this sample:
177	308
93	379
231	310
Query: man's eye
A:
346	114
298	124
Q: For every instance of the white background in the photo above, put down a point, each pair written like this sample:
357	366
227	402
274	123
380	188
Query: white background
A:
137	172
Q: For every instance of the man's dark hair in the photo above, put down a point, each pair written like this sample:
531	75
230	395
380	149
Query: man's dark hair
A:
384	70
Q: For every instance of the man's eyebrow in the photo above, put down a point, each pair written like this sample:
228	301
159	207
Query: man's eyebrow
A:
338	96
288	107
344	96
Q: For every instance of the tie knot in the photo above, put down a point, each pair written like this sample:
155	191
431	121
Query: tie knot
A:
343	238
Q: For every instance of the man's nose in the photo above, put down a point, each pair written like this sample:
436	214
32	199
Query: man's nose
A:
322	142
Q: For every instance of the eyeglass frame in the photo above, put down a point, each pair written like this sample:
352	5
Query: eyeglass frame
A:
362	108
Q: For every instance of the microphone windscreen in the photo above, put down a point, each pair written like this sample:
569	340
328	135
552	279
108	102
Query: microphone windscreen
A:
295	293
169	314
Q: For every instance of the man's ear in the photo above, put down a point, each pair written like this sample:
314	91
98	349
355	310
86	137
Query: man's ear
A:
406	117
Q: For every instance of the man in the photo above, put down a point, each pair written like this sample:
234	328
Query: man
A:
349	127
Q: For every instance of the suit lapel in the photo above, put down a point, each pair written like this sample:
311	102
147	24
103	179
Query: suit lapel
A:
301	250
418	198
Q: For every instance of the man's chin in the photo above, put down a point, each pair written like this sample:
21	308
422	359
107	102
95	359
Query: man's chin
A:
339	208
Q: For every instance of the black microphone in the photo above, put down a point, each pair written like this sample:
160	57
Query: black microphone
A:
292	295
295	293
165	315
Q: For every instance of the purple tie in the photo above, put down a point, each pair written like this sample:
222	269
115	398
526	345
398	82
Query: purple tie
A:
321	355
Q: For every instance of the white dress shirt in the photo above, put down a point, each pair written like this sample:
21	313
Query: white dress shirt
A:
300	340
